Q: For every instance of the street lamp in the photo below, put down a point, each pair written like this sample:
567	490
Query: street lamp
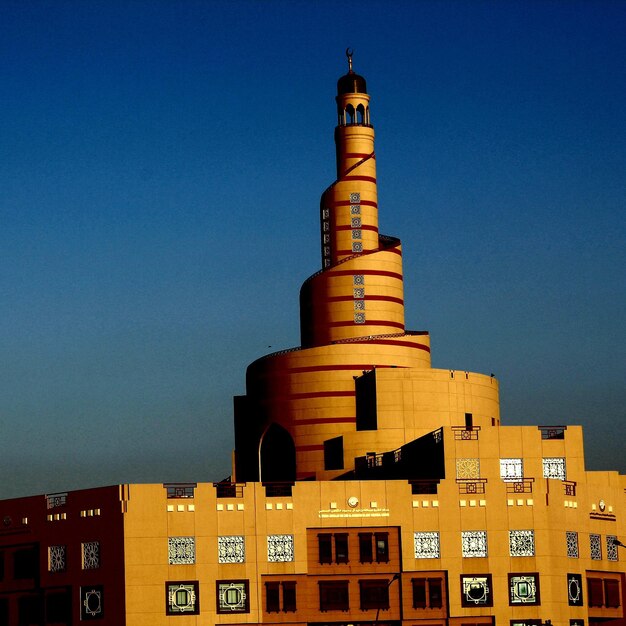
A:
395	577
618	543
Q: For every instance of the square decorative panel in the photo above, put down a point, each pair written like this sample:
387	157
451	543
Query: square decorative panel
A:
554	468
474	543
523	589
56	558
91	555
426	545
326	238
325	227
359	279
92	602
357	246
359	292
611	548
522	542
476	590
468	468
359	318
280	548
575	589
326	250
182	597
595	546
231	549
181	550
357	234
355	198
325	213
359	305
355	222
571	537
355	209
232	596
511	469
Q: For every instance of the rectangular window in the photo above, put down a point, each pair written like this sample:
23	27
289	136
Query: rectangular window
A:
382	547
272	597
365	394
511	469
611	593
374	594
333	454
365	548
595	547
325	548
334	595
419	593
435	593
341	547
25	564
595	592
233	596
476	590
523	589
289	596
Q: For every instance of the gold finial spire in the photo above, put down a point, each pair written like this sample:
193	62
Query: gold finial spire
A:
349	53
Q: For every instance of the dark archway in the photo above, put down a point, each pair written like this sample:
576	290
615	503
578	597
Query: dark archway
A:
278	455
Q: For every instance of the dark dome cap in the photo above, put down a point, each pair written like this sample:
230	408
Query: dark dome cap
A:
351	82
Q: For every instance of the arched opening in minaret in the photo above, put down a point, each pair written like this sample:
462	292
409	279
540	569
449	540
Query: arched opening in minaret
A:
277	455
350	114
360	114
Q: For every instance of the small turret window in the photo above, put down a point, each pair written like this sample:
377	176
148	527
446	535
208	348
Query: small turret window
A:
350	114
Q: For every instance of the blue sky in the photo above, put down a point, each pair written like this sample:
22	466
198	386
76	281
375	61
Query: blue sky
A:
160	171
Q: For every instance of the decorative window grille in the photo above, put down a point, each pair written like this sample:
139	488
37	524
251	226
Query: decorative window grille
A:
325	213
595	545
523	589
181	550
575	589
182	597
280	548
180	490
468	468
611	548
91	602
359	293
357	246
56	500
91	554
359	279
232	596
426	545
474	543
522	542
231	549
511	469
357	234
355	222
554	468
359	318
355	209
56	558
571	538
355	197
326	238
476	591
359	305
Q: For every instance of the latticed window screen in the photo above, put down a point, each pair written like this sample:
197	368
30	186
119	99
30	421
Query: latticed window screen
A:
522	542
355	222
426	545
523	589
357	246
359	318
91	554
359	279
595	546
554	468
182	597
232	596
356	233
474	543
571	538
611	548
231	549
279	548
511	469
355	197
359	305
181	550
355	209
467	468
56	558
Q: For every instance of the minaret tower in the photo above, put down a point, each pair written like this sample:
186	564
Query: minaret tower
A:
359	382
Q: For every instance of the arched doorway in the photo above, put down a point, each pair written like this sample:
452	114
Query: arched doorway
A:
277	456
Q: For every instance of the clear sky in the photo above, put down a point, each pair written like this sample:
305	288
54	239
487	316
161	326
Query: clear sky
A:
161	164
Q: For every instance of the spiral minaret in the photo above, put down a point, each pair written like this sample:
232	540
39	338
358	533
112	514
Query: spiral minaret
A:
309	411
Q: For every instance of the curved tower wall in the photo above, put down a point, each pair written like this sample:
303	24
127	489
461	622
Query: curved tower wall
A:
352	330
